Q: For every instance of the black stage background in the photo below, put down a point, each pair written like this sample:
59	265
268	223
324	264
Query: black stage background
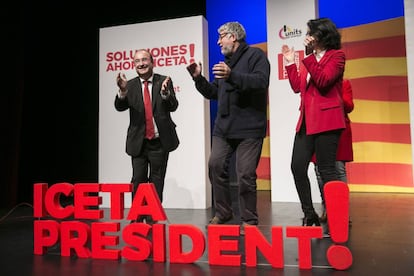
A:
49	115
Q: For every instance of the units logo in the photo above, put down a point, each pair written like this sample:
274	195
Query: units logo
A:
287	32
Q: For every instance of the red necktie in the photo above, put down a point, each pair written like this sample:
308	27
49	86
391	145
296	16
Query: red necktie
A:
149	125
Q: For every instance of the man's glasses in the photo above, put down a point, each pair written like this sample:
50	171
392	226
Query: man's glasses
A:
223	35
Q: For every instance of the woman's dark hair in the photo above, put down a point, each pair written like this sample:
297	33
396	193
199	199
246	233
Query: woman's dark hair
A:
325	32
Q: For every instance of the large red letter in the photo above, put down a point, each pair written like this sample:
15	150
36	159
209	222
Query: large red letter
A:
142	244
46	234
176	250
75	236
100	241
304	235
52	200
117	193
39	192
158	242
146	202
216	245
82	200
255	240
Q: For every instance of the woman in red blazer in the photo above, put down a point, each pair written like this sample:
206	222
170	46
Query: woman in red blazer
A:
321	120
345	151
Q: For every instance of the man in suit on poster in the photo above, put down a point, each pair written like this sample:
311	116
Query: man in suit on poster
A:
151	132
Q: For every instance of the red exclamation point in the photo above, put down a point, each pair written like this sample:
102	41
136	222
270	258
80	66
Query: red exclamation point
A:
337	209
191	46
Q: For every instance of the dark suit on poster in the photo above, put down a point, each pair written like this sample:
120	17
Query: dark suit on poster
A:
166	140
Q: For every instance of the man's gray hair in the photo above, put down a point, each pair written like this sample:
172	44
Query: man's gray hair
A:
234	28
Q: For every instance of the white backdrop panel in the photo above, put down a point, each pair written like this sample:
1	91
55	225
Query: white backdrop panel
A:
174	44
409	40
286	24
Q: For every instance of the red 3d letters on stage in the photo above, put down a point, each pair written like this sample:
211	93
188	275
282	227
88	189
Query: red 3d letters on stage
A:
82	230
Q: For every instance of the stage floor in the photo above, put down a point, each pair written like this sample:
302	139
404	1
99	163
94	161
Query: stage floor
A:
381	239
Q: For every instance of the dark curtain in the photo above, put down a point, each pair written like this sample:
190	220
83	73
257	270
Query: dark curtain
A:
50	89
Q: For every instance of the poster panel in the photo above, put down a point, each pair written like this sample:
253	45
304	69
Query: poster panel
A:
285	28
174	44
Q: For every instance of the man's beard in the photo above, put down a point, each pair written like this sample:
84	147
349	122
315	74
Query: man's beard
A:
227	50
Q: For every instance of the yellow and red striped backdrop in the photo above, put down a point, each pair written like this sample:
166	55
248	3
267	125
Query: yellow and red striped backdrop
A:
263	170
377	67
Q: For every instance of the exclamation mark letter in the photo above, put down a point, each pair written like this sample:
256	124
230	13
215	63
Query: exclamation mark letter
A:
191	46
337	209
